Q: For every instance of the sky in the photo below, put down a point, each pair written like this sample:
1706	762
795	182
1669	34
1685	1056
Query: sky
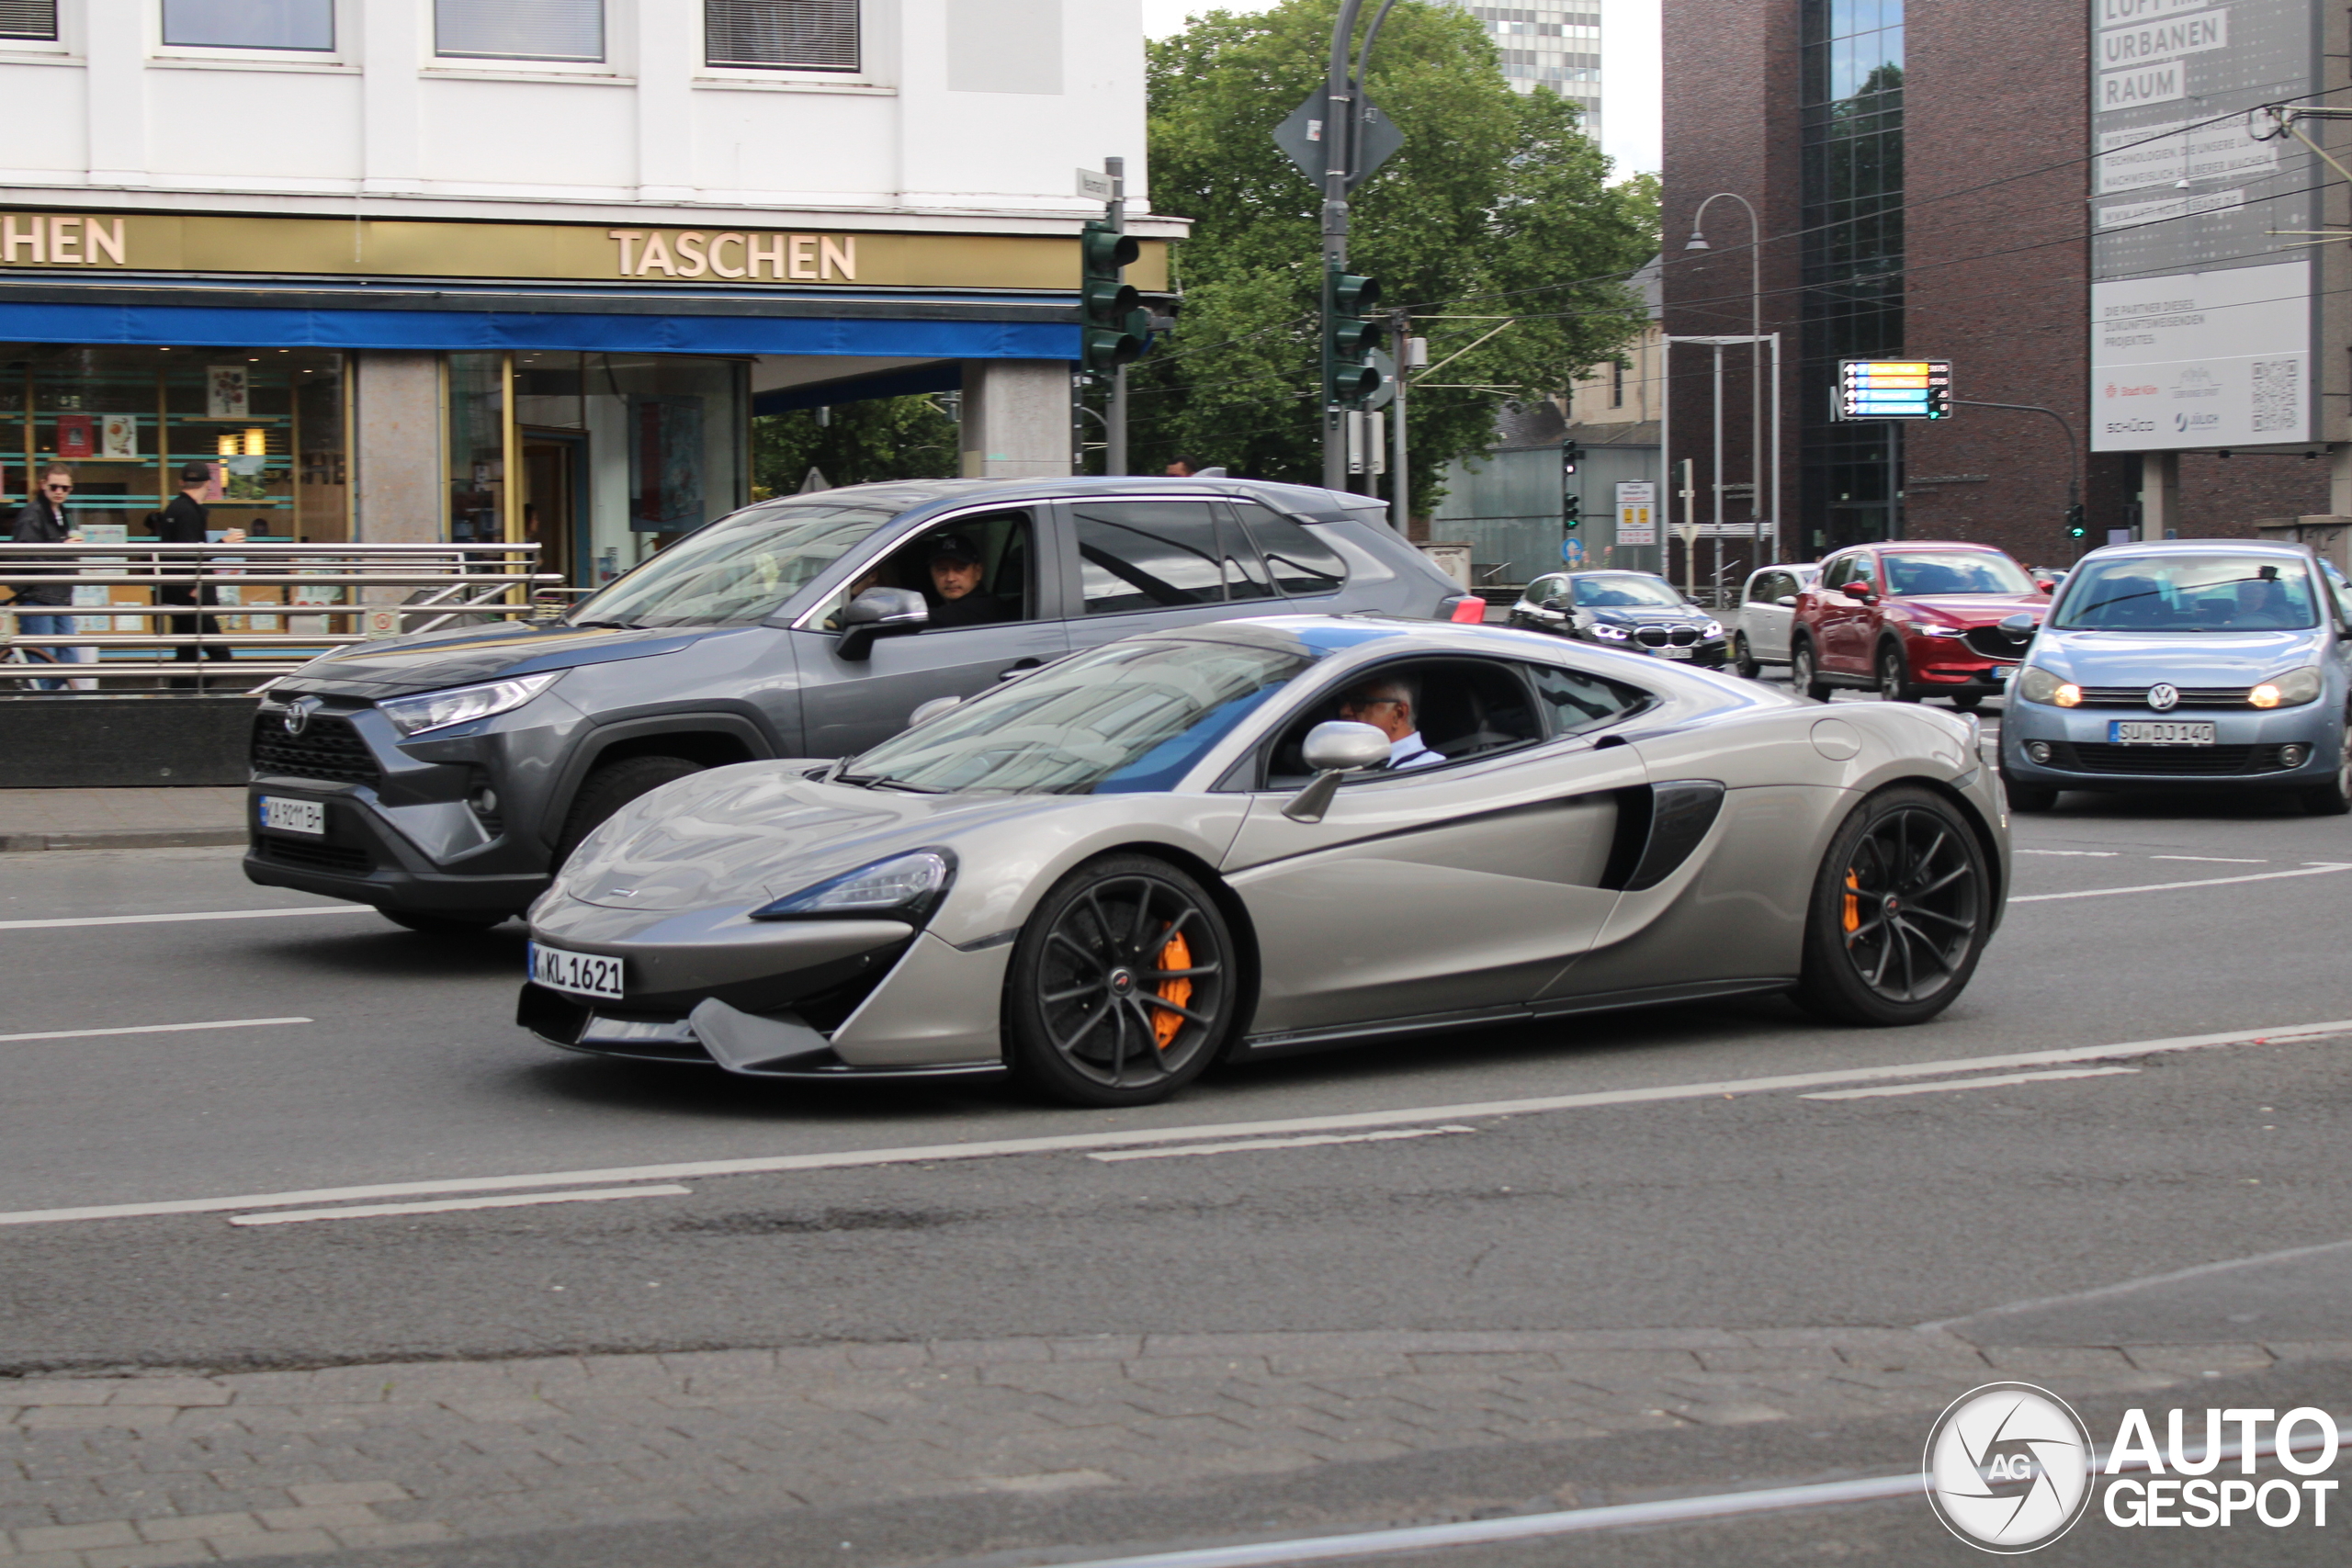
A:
1629	45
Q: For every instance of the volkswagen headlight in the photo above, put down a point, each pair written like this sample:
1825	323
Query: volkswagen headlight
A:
438	710
904	887
2039	685
2286	691
1612	634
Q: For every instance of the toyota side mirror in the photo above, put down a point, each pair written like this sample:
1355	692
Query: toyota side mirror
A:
879	612
1333	750
1786	601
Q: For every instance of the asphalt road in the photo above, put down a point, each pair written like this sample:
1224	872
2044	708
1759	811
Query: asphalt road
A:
1680	1191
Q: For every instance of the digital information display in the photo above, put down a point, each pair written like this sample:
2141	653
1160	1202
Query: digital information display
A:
1893	389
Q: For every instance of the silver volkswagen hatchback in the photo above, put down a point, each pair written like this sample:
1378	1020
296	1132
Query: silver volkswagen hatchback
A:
2185	663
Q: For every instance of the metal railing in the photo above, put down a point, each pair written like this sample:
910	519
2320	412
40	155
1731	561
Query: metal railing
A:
226	617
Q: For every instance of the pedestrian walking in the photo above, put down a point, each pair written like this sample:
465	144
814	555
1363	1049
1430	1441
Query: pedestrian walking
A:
42	521
186	522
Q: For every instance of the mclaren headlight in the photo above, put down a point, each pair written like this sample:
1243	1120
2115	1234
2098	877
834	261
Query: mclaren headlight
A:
2036	684
2286	691
438	710
904	887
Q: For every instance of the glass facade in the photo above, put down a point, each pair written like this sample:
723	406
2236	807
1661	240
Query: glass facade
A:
1851	67
268	422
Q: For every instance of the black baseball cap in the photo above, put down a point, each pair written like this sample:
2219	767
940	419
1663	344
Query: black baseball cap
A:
951	548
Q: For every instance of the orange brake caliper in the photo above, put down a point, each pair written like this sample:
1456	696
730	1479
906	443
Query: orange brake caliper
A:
1853	904
1175	953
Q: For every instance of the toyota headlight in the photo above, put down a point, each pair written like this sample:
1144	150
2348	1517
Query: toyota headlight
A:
904	887
1613	634
2286	691
438	710
2039	685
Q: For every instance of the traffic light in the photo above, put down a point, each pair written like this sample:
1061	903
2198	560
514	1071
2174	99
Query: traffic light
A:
1349	338
2075	526
1570	455
1571	511
1116	322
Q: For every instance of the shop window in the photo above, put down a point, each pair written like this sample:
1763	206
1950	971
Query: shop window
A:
250	24
477	399
267	425
28	18
530	30
791	35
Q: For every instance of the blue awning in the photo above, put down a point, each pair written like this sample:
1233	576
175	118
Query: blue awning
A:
206	326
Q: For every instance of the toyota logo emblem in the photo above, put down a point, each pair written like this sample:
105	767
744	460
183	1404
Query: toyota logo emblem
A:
298	715
2163	695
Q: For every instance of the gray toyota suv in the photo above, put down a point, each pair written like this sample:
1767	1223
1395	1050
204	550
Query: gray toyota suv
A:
443	777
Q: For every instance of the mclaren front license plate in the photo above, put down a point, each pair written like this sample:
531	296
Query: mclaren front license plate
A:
2158	732
582	973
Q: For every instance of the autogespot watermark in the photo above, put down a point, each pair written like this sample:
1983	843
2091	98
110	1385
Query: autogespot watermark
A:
2010	1468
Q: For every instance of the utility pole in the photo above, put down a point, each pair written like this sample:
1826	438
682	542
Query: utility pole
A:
1115	442
1338	97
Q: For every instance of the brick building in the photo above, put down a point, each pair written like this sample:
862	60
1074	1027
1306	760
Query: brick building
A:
1920	183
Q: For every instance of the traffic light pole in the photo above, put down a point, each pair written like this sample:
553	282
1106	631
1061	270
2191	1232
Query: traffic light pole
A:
1337	132
1114	438
2073	453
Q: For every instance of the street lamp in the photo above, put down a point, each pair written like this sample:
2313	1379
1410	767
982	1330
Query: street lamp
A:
1698	241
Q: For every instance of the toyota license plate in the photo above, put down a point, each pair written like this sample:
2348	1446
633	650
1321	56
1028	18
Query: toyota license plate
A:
282	815
582	974
2158	732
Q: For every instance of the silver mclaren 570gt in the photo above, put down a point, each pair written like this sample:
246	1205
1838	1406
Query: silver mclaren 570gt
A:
1245	837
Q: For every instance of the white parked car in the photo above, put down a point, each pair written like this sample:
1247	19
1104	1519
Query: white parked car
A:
1768	603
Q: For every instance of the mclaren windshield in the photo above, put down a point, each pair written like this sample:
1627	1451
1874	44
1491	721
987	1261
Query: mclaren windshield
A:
2188	593
739	569
1131	717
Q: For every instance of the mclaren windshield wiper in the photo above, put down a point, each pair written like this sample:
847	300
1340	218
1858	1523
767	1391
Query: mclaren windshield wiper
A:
879	781
615	626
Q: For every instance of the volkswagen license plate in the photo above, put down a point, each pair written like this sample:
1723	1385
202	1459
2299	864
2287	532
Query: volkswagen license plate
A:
281	816
582	974
2158	732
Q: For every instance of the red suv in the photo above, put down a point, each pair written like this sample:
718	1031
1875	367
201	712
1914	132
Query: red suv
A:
1913	620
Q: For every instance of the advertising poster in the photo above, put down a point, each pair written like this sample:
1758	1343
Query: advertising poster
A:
225	392
118	437
74	435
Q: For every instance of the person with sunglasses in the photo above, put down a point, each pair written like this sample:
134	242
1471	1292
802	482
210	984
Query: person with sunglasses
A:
44	521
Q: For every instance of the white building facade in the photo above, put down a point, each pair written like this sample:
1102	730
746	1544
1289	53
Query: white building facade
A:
1551	43
496	269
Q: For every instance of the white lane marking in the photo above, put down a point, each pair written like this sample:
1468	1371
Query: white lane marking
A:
1620	1515
1064	1142
192	915
1994	1082
1246	1145
2126	1286
2316	868
153	1029
2214	860
2087	855
449	1205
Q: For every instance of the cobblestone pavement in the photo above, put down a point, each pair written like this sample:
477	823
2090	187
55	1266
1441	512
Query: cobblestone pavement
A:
117	1471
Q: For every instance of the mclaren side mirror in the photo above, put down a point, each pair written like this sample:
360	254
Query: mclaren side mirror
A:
1334	750
1786	601
879	612
925	712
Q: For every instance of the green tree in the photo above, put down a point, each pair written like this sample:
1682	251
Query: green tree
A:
881	438
1497	214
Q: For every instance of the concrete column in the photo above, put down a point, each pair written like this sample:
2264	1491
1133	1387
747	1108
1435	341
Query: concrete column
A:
2159	494
1016	419
396	423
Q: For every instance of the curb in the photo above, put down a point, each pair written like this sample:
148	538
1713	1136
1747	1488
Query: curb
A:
123	839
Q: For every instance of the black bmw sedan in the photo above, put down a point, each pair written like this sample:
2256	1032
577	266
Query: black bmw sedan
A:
1637	611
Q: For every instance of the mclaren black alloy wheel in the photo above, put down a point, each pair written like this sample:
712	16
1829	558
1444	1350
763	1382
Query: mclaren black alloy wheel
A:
1122	984
1900	912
